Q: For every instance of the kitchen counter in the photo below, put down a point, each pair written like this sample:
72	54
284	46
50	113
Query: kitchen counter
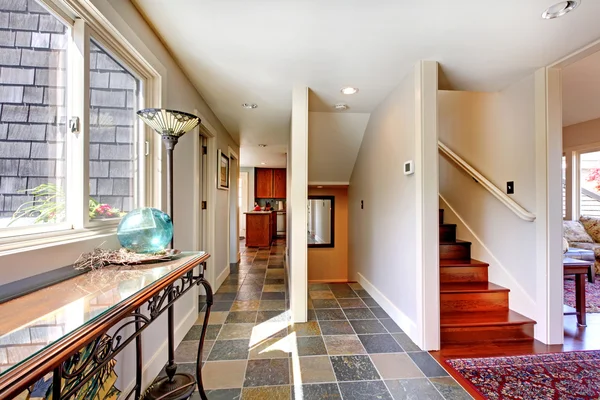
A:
259	228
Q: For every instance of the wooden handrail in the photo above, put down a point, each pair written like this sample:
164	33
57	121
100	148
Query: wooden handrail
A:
489	186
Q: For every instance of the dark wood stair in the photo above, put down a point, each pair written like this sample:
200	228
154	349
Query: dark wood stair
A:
472	308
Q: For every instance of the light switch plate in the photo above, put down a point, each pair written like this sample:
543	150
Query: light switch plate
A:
409	168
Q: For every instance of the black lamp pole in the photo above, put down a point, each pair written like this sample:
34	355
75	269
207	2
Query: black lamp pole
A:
171	125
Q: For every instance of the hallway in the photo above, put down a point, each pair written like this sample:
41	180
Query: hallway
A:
350	349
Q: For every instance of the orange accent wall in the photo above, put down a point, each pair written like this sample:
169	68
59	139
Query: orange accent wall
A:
331	264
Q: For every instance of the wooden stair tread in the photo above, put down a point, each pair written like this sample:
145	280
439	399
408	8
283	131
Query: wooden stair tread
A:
463	263
456	242
486	318
449	225
471	287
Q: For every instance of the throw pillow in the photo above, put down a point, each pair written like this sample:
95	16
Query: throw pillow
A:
573	231
592	227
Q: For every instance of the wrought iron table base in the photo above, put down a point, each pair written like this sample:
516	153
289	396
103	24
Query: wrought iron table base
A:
72	375
178	386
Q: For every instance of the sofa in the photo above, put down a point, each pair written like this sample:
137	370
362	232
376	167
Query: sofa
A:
583	235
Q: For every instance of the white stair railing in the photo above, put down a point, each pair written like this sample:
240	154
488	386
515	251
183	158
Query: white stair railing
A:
489	186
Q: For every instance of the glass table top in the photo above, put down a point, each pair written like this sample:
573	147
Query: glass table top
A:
30	323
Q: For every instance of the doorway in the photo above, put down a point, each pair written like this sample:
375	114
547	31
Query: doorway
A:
243	202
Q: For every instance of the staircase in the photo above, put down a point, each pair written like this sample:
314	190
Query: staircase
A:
473	309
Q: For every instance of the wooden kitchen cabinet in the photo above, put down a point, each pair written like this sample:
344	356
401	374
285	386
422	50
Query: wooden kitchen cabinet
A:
264	183
270	183
279	178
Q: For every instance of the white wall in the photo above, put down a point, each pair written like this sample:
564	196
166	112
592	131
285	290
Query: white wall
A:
386	244
495	133
333	142
297	186
177	93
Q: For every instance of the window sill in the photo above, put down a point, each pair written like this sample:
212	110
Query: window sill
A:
25	243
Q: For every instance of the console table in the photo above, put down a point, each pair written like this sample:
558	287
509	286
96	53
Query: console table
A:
60	333
581	269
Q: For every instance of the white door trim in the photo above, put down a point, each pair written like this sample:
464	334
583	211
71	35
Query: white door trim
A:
210	220
548	130
232	155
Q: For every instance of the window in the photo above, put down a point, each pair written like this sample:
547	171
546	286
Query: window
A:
589	183
564	186
33	76
41	86
113	135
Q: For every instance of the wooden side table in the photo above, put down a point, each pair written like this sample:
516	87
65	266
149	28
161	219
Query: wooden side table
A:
582	270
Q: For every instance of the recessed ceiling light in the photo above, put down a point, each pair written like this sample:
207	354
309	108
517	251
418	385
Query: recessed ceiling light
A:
263	163
341	106
250	105
262	145
349	90
560	9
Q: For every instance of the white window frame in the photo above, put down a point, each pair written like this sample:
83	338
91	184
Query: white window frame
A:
573	187
86	22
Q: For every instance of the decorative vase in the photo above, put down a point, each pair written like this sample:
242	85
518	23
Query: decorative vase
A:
145	230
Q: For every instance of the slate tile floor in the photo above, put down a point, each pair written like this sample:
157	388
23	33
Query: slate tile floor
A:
349	349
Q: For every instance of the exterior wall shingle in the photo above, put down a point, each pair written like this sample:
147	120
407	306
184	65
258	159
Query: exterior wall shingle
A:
33	118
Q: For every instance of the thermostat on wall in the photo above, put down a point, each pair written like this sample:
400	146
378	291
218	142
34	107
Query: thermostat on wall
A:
409	168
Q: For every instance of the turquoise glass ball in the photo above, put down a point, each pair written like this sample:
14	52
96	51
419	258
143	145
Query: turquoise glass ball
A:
145	230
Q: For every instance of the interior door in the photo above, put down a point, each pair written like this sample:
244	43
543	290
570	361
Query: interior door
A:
243	201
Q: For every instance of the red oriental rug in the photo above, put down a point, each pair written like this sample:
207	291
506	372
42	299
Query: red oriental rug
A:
568	376
592	295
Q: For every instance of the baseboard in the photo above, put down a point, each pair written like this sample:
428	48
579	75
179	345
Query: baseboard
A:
328	281
221	278
406	324
156	363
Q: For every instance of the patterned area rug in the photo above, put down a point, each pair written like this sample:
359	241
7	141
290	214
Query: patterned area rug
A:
592	295
568	376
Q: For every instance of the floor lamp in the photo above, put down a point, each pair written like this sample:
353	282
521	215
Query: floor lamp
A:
171	125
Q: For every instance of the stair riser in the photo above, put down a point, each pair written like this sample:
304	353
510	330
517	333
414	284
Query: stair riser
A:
502	333
458	251
470	302
463	274
441	216
447	233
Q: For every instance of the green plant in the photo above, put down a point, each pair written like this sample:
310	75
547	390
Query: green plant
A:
48	203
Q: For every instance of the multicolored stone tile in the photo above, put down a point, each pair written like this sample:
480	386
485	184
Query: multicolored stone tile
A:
413	389
322	391
229	350
336	328
311	346
313	370
310	328
344	345
370	390
354	368
271	372
266	392
380	343
367	326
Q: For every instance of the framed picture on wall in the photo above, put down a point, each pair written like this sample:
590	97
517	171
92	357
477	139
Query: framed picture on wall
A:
223	167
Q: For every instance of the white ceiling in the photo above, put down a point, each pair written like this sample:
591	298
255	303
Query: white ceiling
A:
581	90
333	143
238	51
